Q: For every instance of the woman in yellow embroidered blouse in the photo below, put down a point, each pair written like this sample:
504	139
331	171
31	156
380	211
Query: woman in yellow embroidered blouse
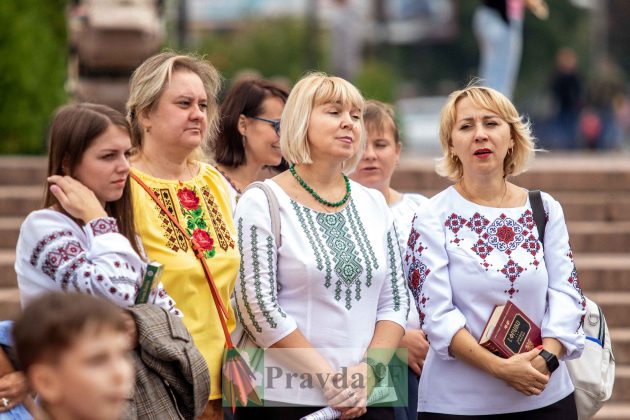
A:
172	109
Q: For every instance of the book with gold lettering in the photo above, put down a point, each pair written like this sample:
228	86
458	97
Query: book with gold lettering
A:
509	331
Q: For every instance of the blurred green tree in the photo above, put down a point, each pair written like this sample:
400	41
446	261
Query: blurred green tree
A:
32	71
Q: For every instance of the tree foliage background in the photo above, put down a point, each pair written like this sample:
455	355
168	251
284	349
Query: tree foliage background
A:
32	71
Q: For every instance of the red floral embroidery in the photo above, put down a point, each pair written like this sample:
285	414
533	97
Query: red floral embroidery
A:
203	239
195	224
188	199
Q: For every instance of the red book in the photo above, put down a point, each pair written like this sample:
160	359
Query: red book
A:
509	331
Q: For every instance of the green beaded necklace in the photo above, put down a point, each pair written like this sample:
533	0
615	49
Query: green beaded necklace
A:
315	195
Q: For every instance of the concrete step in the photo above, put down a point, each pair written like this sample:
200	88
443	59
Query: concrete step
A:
22	170
621	389
9	303
603	272
551	172
20	200
615	306
621	345
614	411
599	237
9	231
7	272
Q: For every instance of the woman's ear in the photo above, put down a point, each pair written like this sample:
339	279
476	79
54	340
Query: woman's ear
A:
241	125
65	166
144	120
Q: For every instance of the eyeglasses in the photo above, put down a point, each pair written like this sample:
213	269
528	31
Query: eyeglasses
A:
274	123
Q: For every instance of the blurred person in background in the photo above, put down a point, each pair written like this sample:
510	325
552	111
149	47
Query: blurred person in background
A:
606	91
375	170
567	90
173	112
474	246
498	26
249	133
342	298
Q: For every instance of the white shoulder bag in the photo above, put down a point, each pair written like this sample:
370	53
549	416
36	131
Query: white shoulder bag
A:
593	373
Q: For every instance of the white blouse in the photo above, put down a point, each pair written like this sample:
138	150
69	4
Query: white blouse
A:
403	211
54	253
334	276
462	260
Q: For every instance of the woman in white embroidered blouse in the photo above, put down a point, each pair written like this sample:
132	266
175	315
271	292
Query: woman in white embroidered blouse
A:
334	288
475	245
84	240
375	170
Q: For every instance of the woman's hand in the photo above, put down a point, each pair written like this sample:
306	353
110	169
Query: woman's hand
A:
417	347
75	198
520	374
13	390
350	400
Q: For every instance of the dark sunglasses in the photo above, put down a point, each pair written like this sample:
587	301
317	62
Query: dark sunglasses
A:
274	123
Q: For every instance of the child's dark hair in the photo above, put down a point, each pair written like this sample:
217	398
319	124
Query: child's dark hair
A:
53	322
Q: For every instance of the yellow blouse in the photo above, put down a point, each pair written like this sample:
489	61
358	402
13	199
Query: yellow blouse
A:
201	205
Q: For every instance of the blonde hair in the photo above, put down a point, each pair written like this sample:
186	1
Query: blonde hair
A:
484	97
379	116
151	78
312	90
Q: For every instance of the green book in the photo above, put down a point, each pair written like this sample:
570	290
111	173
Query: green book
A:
150	281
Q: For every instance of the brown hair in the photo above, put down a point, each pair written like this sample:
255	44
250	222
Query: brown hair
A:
52	323
72	131
488	98
244	98
150	79
379	116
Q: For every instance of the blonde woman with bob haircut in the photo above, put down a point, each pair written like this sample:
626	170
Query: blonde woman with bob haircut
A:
173	111
475	245
331	283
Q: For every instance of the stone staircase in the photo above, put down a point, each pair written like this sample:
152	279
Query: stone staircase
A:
594	192
595	195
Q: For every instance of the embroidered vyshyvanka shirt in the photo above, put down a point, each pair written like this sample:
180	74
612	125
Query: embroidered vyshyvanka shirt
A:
334	276
54	253
462	260
403	211
201	205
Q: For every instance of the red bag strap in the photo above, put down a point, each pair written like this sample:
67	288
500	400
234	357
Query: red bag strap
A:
198	251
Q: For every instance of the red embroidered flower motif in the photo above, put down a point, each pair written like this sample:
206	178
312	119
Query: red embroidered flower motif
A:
203	239
196	225
188	199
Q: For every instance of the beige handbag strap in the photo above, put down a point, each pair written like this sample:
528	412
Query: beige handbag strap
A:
274	209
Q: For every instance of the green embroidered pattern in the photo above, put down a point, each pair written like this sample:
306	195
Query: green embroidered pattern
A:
272	280
310	236
242	283
394	274
362	246
347	262
340	244
257	284
320	245
400	254
364	237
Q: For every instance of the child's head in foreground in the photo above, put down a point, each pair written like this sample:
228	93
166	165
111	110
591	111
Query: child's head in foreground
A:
74	350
